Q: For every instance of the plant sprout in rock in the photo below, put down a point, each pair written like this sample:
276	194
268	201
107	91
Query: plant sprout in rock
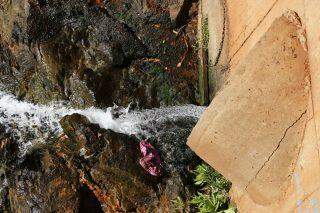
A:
214	192
206	176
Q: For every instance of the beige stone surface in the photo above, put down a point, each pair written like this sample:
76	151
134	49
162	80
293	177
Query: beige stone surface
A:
250	31
262	128
217	51
174	8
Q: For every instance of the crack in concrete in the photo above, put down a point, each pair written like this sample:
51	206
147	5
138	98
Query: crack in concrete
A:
276	148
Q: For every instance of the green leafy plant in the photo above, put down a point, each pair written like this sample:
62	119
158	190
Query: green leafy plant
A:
178	204
205	175
214	192
209	203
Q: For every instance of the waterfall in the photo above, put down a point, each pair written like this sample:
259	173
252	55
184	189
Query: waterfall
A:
31	124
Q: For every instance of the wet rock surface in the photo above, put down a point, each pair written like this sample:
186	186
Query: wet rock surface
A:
98	169
95	54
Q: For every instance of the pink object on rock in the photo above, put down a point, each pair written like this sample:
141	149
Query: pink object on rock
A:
150	160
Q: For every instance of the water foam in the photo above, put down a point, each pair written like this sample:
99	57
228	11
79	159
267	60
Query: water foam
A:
30	123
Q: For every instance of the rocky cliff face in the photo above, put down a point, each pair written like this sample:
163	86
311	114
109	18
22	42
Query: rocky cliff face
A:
97	53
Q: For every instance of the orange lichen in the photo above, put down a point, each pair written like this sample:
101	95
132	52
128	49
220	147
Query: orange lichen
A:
98	3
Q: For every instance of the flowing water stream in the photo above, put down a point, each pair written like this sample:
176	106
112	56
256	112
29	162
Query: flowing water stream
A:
31	124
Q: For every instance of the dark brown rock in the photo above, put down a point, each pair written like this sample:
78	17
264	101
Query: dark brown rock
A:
94	54
110	166
54	50
90	167
44	183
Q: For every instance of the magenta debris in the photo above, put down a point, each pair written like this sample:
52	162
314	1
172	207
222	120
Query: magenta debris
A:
150	160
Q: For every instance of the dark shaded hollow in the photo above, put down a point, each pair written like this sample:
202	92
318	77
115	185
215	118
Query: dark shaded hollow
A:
88	201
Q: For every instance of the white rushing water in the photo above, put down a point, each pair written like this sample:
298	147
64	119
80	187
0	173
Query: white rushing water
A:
40	121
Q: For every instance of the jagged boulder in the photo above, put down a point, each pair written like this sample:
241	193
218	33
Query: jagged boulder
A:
89	168
111	169
91	54
82	52
43	182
